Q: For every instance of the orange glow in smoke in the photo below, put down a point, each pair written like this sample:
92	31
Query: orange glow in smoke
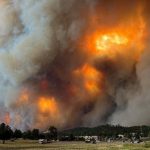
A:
7	118
107	41
24	97
48	105
113	42
124	38
49	111
90	78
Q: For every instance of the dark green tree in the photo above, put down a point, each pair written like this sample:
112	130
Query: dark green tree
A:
17	134
27	135
5	132
71	137
35	134
53	133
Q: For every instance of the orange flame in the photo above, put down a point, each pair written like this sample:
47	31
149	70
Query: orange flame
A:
127	37
107	41
48	111
47	105
91	78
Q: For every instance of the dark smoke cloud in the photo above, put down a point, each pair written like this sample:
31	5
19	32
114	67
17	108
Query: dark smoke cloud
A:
42	45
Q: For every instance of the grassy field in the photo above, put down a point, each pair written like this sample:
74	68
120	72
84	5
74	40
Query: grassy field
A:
33	145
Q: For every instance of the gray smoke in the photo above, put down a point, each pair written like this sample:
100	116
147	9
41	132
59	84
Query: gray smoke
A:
42	44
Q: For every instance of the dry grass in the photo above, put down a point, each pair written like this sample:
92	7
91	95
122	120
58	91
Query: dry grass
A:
33	145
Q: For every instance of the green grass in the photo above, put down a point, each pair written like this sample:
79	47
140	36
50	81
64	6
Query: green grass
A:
33	145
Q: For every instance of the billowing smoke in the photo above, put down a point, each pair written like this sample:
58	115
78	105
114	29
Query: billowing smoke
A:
74	63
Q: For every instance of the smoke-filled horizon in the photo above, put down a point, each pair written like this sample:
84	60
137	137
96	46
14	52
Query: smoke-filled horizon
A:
74	63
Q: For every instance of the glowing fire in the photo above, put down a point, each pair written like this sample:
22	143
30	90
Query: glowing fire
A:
49	110
47	105
90	77
125	38
107	41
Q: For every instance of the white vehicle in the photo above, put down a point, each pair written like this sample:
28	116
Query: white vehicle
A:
87	140
42	141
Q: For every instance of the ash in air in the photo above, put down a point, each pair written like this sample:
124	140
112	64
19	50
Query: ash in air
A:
74	63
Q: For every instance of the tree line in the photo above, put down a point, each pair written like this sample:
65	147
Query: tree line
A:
6	133
108	131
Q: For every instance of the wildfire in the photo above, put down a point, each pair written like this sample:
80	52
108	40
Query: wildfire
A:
48	105
83	62
107	41
90	77
48	110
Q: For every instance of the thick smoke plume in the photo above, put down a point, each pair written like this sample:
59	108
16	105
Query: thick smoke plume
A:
74	63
